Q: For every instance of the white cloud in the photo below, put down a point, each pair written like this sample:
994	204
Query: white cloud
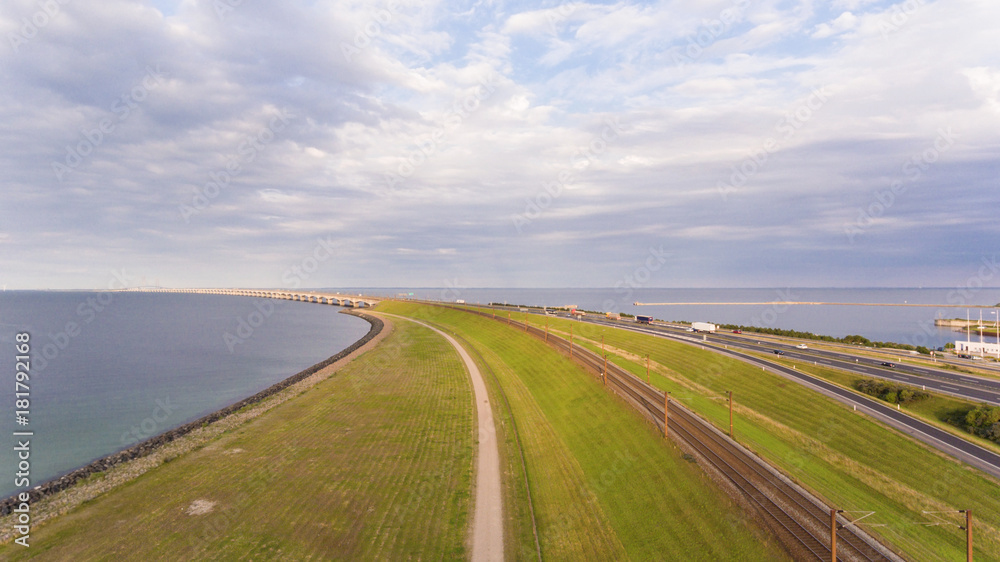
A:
413	97
844	22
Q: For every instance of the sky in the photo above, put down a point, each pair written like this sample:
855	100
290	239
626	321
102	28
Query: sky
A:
306	143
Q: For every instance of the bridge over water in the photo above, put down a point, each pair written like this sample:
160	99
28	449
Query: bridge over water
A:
318	297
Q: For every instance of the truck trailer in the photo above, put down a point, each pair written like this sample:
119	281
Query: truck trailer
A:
704	327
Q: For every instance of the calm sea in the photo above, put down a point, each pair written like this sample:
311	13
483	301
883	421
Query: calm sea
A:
139	364
914	326
144	363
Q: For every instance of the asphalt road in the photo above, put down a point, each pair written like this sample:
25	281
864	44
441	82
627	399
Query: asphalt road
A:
978	389
969	387
964	450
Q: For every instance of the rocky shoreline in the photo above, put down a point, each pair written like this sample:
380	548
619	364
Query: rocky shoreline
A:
154	444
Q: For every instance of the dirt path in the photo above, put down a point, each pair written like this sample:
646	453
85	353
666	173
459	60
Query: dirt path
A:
487	521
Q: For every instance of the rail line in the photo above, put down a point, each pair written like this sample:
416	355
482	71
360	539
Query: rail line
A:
801	521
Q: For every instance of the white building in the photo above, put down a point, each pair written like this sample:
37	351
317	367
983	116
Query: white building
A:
977	348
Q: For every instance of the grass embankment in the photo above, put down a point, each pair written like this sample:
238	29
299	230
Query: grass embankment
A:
854	462
372	463
604	484
941	410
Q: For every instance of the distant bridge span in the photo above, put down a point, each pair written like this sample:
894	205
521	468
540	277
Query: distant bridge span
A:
318	297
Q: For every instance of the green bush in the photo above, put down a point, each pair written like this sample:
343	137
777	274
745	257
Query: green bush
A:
984	421
891	392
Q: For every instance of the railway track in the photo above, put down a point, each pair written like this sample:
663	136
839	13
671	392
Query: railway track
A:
800	520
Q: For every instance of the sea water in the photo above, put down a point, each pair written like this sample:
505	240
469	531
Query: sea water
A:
112	369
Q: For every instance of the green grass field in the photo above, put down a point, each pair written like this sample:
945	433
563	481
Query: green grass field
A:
373	463
854	462
604	483
944	411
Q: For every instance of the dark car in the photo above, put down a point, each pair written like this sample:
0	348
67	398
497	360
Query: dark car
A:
888	364
778	352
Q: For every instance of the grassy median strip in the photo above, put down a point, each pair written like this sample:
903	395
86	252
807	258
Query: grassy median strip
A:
605	485
373	463
941	410
854	462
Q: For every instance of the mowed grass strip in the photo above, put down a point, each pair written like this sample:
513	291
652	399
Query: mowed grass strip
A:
373	463
605	485
853	461
942	410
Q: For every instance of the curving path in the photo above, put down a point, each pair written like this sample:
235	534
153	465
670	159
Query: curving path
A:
487	521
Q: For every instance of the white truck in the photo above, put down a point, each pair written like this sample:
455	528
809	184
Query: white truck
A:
704	327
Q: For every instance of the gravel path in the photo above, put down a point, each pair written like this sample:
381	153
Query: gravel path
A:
487	521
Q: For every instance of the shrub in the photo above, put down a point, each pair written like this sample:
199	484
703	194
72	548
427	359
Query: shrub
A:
891	392
984	421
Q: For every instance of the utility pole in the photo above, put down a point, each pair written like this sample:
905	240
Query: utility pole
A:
666	415
571	340
508	318
968	533
546	330
833	533
730	414
605	376
647	368
525	321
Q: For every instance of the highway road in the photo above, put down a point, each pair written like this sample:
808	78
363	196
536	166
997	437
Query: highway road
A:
970	387
957	384
960	448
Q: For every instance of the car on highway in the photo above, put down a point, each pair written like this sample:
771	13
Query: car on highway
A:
778	352
888	364
737	331
802	346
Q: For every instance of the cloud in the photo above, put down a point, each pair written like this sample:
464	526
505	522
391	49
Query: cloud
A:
844	22
418	133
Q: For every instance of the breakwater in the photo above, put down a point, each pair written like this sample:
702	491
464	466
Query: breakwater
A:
152	444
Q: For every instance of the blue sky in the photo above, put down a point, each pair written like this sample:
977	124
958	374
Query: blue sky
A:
850	143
